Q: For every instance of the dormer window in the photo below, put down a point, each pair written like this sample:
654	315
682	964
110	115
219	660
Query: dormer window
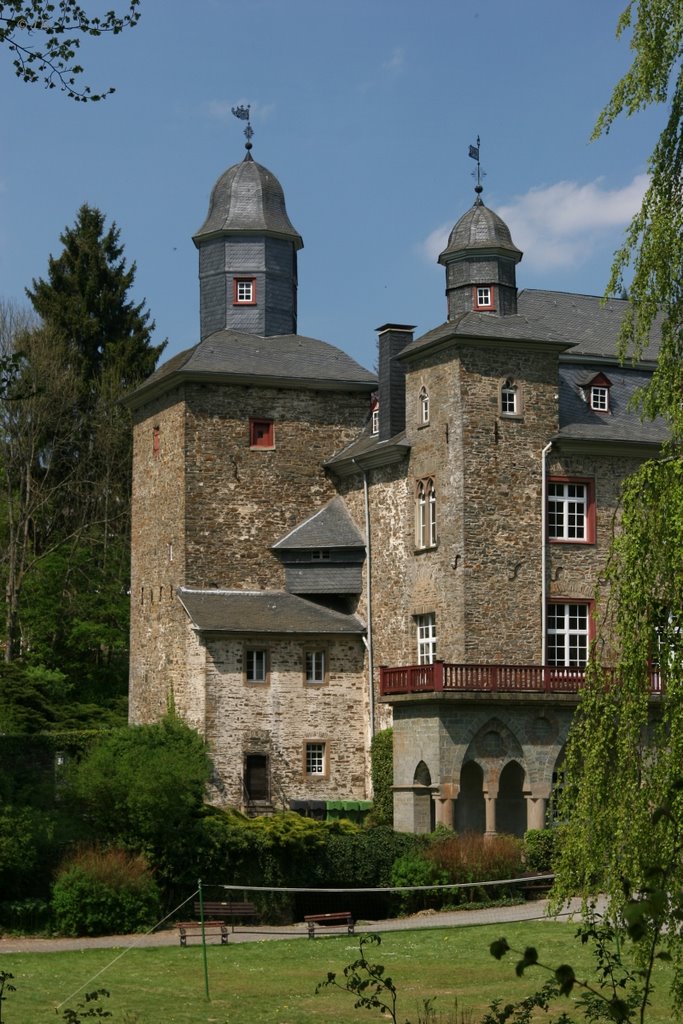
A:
595	391
423	406
484	297
600	399
244	291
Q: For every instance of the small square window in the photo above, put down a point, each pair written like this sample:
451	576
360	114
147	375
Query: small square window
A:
255	665
244	291
483	297
315	667
261	434
315	759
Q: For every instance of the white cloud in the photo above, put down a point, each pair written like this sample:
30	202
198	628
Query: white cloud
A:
559	225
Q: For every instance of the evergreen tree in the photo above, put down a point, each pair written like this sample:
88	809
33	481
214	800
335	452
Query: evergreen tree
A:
65	454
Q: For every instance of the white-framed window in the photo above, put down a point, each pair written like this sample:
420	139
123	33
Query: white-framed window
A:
315	667
599	399
425	514
244	291
423	400
483	296
509	405
426	638
315	758
571	511
568	634
375	420
256	665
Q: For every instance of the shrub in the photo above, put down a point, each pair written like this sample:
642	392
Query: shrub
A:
475	858
539	849
100	892
414	869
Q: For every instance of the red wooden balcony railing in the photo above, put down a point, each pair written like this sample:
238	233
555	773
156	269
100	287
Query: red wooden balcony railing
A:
442	677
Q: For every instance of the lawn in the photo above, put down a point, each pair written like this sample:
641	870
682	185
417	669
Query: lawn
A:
273	982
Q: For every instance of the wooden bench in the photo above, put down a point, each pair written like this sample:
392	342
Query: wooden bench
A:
343	917
193	929
215	915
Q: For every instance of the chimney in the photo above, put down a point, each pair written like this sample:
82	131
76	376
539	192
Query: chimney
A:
392	338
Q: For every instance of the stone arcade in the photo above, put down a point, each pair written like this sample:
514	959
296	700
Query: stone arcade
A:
317	554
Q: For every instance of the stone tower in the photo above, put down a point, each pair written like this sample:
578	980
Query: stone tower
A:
248	255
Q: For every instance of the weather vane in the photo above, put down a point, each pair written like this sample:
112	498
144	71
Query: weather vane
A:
243	114
474	153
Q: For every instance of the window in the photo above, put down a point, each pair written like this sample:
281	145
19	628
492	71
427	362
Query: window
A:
156	442
244	291
315	759
571	511
315	667
426	638
509	404
483	297
375	420
568	635
320	555
256	665
426	514
261	434
600	399
424	406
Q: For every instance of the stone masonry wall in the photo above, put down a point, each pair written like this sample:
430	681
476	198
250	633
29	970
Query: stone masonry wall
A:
279	717
241	501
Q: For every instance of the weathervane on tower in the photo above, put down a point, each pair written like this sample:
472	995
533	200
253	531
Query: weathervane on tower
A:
474	153
242	113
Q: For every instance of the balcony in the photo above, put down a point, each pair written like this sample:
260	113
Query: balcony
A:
442	677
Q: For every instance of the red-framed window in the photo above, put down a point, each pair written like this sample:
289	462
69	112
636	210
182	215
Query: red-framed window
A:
261	434
570	511
569	632
156	442
244	291
483	297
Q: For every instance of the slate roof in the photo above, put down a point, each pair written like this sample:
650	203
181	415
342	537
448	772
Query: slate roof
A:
248	199
263	611
330	527
369	451
579	323
480	229
621	424
284	360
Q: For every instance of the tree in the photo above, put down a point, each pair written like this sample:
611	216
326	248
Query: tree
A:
623	759
45	35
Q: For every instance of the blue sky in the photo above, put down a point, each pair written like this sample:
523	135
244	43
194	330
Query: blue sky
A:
364	110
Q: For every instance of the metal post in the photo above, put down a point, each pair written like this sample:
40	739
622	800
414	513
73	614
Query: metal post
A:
201	920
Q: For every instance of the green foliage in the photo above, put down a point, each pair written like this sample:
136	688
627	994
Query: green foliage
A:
413	869
539	848
142	788
370	987
5	986
88	1009
104	892
43	37
28	850
382	758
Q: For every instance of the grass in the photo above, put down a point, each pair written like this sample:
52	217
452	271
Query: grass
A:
273	982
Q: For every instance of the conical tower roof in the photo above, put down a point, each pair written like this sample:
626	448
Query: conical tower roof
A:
248	199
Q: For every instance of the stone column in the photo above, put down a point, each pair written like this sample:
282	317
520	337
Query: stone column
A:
535	811
444	802
490	803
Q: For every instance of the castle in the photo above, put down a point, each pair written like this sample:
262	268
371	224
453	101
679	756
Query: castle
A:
318	554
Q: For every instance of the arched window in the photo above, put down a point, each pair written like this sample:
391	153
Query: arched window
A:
423	413
509	399
426	514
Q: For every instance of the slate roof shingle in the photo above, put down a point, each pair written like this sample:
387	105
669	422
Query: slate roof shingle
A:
263	611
